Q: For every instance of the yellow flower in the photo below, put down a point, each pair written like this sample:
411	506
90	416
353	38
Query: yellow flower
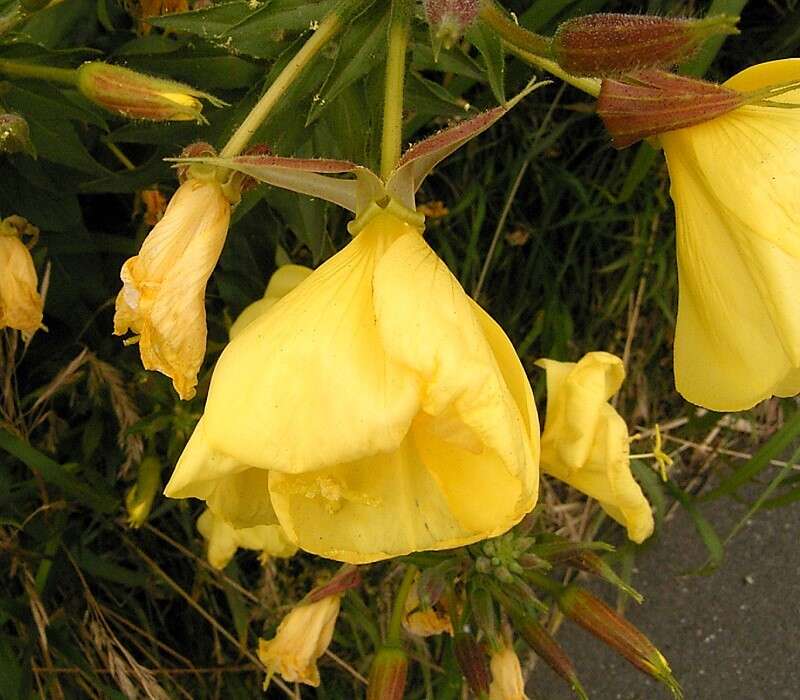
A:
585	441
163	294
20	302
224	539
383	411
423	622
734	184
302	637
507	680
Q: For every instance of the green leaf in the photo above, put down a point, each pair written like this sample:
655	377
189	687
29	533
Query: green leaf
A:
362	47
653	488
716	551
237	27
95	496
488	43
772	449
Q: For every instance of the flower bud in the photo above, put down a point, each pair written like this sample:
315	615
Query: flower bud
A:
449	19
588	561
549	650
139	96
387	676
472	662
611	44
15	136
599	619
484	613
653	102
139	499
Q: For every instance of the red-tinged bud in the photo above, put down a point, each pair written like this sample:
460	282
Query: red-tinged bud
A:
550	651
473	663
484	613
449	19
15	136
585	560
433	582
387	676
347	577
653	102
599	619
139	96
611	44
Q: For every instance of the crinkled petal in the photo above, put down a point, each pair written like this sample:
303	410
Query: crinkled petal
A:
20	302
308	385
163	294
585	441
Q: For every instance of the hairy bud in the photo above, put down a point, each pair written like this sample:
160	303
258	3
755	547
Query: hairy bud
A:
387	676
449	19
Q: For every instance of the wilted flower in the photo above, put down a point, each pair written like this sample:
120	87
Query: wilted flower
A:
20	302
424	621
585	441
734	184
302	637
507	680
163	295
373	404
223	539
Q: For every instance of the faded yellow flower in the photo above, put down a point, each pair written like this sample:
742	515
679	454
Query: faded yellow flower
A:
383	411
507	680
424	622
163	295
302	637
223	539
734	184
585	441
20	302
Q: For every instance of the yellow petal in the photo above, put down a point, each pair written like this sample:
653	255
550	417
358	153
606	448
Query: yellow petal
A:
302	637
585	441
734	183
20	303
163	294
307	385
425	622
507	680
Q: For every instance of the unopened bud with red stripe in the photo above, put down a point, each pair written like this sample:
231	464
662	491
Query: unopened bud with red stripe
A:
473	663
139	96
387	676
611	44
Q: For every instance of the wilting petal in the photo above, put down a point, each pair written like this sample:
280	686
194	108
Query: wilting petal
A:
507	680
734	183
585	441
20	302
424	622
302	637
163	295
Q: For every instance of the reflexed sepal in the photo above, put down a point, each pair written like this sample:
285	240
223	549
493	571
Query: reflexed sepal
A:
347	577
653	102
610	44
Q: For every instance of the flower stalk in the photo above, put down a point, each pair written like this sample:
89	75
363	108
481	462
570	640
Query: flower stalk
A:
391	140
20	69
511	33
396	621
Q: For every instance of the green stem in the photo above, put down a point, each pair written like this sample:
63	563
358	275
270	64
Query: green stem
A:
68	76
393	633
591	86
391	140
327	29
508	30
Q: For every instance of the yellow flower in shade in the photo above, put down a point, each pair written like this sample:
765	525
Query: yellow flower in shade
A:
507	680
302	637
163	294
224	539
735	188
585	441
20	302
383	411
424	622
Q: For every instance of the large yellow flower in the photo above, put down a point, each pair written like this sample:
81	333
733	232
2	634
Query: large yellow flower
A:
585	441
737	202
163	295
20	302
376	407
